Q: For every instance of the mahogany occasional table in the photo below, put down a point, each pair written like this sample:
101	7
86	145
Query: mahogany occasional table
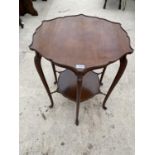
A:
80	44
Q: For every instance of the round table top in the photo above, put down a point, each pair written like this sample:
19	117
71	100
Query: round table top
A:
81	42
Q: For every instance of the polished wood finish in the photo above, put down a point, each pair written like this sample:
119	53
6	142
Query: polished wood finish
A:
67	85
85	41
95	42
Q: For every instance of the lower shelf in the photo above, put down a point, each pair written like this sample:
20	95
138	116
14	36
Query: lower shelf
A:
67	85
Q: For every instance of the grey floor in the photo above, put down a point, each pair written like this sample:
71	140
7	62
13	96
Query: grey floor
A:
46	131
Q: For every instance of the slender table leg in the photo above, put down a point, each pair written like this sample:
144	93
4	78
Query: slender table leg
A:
54	71
120	3
102	75
105	4
37	60
123	64
78	96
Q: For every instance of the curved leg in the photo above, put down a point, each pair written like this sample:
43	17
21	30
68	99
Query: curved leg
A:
54	71
102	75
78	96
123	64
120	3
37	60
105	4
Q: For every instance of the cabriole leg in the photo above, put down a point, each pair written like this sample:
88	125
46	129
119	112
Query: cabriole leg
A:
37	61
123	64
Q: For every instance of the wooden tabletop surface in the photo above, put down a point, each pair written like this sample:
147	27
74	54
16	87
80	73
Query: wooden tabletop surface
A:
89	41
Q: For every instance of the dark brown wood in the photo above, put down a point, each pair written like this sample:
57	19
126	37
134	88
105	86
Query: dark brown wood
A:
37	60
67	85
123	64
83	41
26	6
